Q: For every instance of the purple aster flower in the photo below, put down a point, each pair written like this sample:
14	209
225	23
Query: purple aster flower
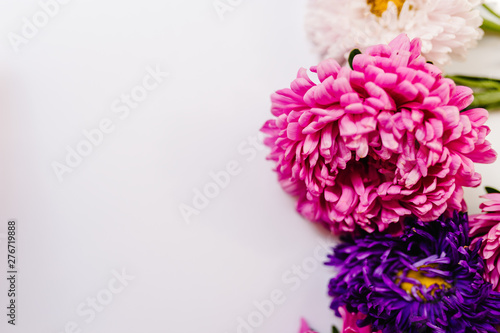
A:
426	280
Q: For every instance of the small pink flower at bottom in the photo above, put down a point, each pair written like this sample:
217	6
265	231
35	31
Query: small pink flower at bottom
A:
350	320
487	227
304	327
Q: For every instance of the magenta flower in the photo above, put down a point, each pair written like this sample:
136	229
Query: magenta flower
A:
304	327
350	322
487	227
362	148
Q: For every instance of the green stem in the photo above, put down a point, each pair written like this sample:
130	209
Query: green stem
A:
476	82
490	26
487	98
486	90
488	8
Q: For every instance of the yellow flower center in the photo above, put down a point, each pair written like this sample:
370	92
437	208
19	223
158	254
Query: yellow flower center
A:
380	6
424	280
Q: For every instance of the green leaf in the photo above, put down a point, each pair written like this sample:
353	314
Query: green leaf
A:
353	53
334	329
491	190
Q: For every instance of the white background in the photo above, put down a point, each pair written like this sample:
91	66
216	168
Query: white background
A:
119	209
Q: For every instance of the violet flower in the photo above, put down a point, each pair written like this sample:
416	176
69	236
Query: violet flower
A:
427	280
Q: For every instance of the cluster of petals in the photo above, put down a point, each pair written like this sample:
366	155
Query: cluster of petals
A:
361	148
447	28
486	227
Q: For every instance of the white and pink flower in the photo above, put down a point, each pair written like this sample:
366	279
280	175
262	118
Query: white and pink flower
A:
447	28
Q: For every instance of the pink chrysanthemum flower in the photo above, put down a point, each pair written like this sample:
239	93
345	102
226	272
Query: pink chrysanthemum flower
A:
487	227
362	148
